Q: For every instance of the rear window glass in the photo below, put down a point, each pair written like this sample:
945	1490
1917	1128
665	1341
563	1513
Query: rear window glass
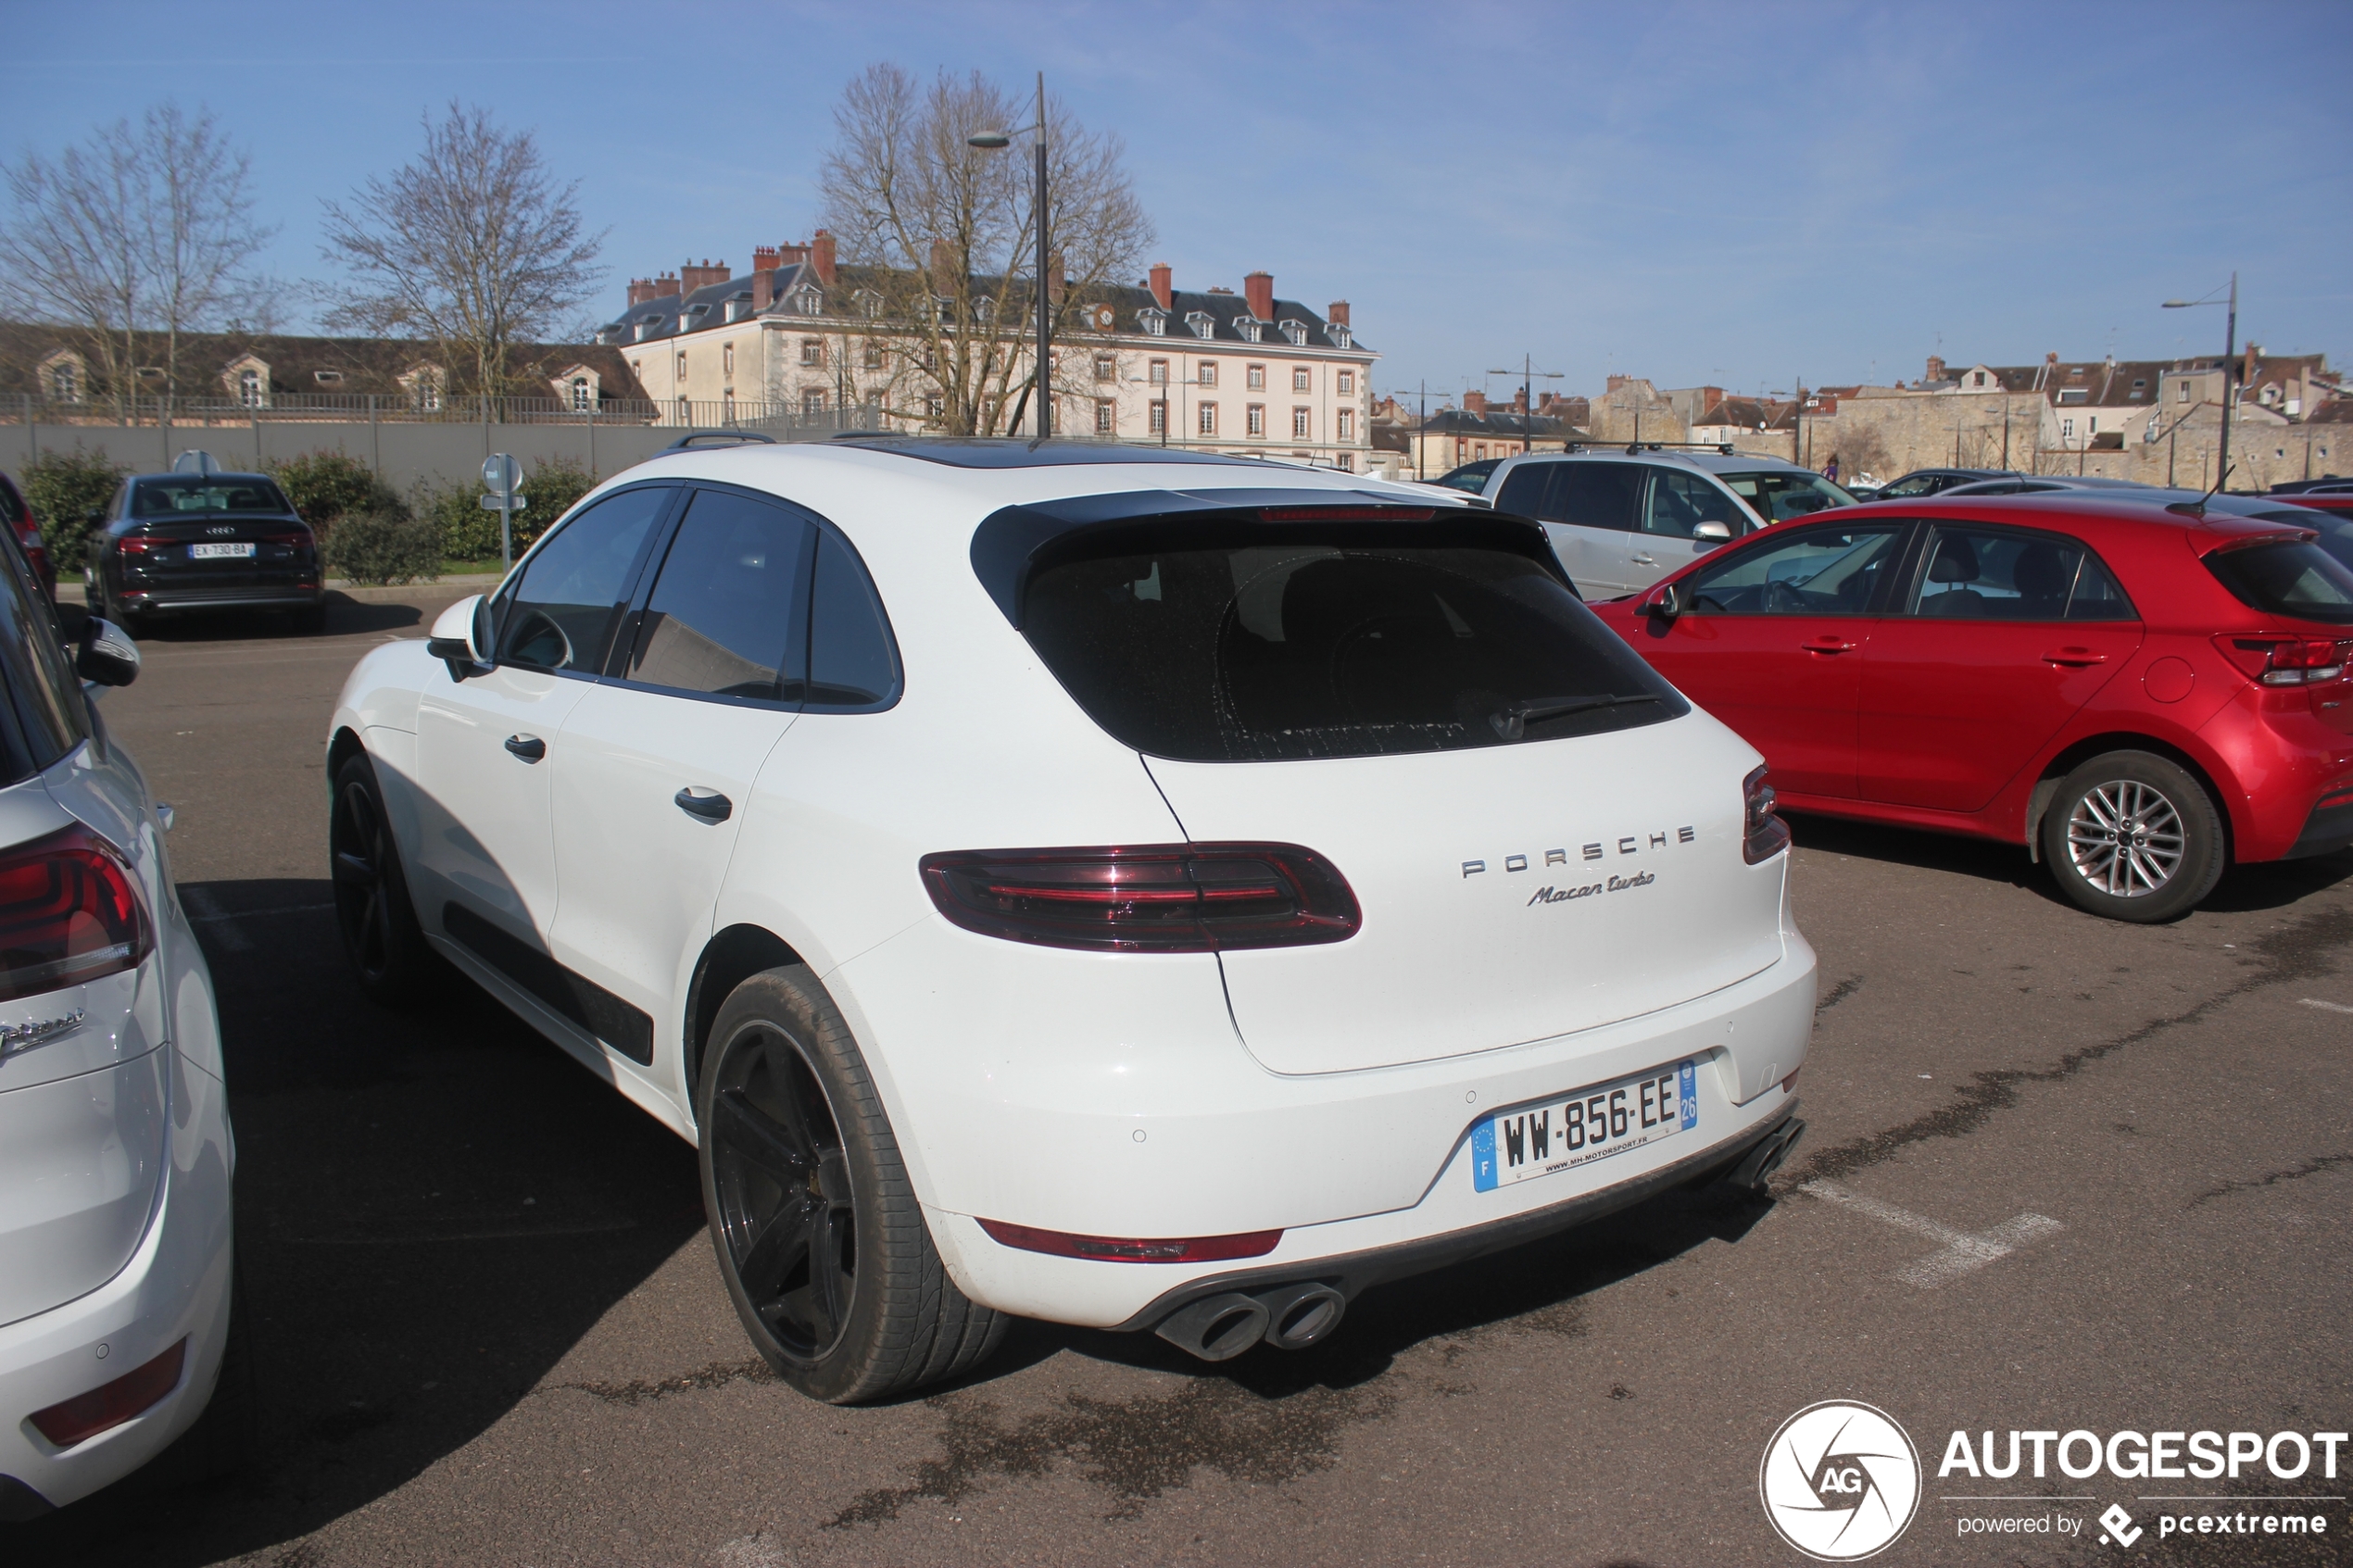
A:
2291	578
169	497
1258	646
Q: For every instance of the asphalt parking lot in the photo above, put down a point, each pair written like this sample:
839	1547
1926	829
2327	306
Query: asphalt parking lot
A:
2060	1174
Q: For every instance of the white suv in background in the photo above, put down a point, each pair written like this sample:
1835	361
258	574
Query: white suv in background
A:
1620	518
1138	889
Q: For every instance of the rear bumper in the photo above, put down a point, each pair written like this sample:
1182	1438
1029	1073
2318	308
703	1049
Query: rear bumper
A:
2328	829
185	601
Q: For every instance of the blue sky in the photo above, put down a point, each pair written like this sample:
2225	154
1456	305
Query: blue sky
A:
1731	193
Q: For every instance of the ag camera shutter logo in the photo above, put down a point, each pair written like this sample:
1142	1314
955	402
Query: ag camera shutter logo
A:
1839	1481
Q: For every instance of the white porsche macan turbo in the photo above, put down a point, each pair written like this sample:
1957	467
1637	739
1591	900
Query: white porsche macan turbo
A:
1131	889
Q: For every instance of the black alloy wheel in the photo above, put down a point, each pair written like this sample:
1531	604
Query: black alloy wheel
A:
378	923
819	1235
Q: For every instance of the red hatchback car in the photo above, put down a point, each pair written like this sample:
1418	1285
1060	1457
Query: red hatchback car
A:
2140	696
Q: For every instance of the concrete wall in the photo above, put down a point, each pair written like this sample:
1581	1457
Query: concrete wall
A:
402	453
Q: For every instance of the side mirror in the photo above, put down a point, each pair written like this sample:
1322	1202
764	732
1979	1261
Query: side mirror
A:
107	656
461	637
1666	601
1720	532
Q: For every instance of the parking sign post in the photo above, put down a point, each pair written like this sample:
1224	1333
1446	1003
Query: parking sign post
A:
500	474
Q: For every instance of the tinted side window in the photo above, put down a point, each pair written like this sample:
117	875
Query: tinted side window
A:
853	661
1984	574
1910	489
727	607
1597	494
49	704
1812	571
1524	490
563	613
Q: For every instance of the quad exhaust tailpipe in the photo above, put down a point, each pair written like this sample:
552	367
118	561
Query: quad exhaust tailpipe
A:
1289	1317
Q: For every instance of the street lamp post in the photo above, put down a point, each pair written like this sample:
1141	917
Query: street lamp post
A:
1527	374
1043	377
2230	351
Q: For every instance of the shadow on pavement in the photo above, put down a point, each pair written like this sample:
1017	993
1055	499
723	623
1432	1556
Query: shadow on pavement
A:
433	1208
345	615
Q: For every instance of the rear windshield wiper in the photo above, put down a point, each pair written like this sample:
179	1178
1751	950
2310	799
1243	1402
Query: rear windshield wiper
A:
1512	723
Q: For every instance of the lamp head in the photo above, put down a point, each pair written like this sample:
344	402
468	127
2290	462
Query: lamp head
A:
988	140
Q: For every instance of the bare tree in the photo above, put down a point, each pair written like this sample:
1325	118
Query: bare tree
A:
939	231
145	229
473	245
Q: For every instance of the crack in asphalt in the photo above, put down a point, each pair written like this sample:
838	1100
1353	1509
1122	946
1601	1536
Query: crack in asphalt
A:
2297	952
712	1374
1133	1449
2312	1167
1838	993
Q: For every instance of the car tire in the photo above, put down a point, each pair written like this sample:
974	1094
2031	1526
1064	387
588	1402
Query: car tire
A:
110	609
820	1238
2134	837
374	915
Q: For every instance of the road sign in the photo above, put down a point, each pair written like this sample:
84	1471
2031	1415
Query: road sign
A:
500	474
503	503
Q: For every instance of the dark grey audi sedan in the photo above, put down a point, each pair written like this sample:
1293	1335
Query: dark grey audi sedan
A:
197	542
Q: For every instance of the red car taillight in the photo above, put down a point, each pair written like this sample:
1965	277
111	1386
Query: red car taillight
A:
1147	898
69	913
109	1406
2286	661
1763	834
139	545
1134	1249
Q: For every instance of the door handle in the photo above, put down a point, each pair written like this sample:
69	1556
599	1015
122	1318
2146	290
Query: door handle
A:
713	808
2074	659
531	748
1829	643
1644	561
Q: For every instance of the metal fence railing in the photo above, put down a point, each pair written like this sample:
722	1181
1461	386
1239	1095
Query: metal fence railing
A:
347	408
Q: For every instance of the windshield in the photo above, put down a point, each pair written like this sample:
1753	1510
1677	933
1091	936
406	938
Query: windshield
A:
1471	478
1217	645
2292	577
1779	494
168	497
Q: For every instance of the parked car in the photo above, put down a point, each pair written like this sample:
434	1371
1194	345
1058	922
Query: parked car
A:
1921	483
115	1150
2334	502
1323	895
19	520
2036	484
1621	519
2325	484
1470	478
199	542
2140	695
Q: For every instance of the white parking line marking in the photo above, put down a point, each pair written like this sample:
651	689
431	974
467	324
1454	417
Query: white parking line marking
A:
224	923
2326	1007
1963	1250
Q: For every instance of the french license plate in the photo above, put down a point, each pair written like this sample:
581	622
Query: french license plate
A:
220	552
1578	1129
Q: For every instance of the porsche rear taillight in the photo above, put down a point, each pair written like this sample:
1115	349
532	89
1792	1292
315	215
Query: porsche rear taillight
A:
2286	661
1147	898
1763	834
69	913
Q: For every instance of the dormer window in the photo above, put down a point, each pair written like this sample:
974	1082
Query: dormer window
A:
808	301
1155	322
1977	378
1201	322
869	303
2074	395
1250	327
2140	388
1339	334
1296	332
324	378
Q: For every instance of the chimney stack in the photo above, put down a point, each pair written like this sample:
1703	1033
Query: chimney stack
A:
640	291
1615	381
763	286
1936	367
764	258
1162	290
1259	289
821	255
1475	403
665	287
701	277
1338	313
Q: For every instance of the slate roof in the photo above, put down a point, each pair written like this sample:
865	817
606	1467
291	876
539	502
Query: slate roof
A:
1508	426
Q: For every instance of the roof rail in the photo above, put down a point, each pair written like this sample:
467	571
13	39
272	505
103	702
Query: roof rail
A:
1635	448
728	437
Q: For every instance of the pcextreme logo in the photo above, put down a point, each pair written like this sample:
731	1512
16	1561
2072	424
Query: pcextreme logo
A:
1839	1481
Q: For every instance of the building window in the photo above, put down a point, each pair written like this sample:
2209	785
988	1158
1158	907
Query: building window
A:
809	304
1106	368
1303	380
933	404
1977	378
2183	396
682	366
1303	423
1347	382
1254	419
1345	463
1155	324
813	403
1106	416
249	388
580	394
1201	322
2066	430
873	355
1346	429
812	351
63	386
726	359
1209	418
1256	377
1159	372
1160	418
1208	372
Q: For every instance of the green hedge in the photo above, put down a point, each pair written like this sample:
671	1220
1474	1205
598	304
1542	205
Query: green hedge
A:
326	485
468	532
62	488
384	547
